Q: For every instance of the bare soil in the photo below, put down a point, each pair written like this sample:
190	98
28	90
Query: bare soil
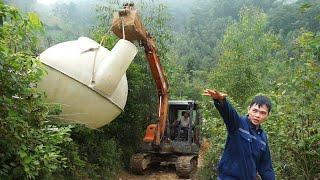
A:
154	173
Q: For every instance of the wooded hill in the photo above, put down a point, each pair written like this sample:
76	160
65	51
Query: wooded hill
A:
243	48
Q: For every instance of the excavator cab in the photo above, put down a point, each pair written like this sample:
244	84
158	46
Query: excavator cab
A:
188	131
179	146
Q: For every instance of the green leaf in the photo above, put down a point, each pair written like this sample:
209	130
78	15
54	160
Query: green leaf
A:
305	7
35	20
27	160
22	154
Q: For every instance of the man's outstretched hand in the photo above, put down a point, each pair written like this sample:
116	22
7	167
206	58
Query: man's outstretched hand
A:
214	94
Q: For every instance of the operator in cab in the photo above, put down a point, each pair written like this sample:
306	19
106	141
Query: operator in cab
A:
183	120
181	126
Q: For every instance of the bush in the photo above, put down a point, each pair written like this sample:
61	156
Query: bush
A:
30	146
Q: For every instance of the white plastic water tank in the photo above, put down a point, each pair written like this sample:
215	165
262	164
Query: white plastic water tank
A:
88	80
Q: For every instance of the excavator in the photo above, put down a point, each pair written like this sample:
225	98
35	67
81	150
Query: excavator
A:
164	143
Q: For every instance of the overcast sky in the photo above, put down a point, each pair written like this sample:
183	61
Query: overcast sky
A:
49	2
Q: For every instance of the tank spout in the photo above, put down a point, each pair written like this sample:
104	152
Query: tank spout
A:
114	66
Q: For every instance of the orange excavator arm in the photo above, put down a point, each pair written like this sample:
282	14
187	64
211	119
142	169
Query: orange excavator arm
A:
127	24
162	87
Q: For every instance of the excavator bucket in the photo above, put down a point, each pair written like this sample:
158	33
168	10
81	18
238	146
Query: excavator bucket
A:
127	24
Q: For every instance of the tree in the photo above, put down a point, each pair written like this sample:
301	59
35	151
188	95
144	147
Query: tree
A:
246	51
296	118
292	17
31	145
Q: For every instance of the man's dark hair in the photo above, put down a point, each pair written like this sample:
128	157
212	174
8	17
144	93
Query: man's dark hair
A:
260	101
184	112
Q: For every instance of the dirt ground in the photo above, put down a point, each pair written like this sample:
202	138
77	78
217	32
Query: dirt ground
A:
165	172
156	173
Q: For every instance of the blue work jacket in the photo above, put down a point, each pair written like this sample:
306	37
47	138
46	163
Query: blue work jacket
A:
246	150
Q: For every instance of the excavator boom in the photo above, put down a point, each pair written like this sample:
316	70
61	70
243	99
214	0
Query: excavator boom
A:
179	146
127	25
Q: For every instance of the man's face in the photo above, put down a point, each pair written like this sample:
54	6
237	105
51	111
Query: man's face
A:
258	115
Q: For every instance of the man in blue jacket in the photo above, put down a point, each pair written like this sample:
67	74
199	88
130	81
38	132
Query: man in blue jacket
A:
246	152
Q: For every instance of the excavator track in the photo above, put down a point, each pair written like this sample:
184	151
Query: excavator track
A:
186	165
139	162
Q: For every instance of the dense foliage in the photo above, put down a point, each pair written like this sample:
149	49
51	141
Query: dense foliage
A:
30	145
295	125
254	60
243	48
